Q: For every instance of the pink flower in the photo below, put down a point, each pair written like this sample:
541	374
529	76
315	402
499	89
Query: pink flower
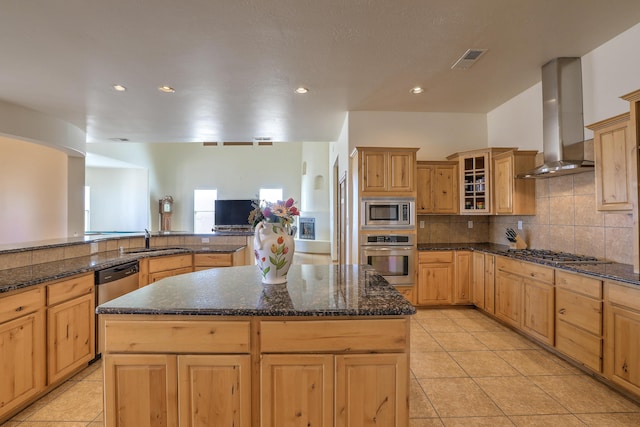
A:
285	250
289	202
266	212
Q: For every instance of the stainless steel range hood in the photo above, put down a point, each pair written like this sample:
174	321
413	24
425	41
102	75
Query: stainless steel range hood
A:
563	142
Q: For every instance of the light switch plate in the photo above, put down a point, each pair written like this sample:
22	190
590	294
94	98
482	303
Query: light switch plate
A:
469	224
519	225
205	240
421	224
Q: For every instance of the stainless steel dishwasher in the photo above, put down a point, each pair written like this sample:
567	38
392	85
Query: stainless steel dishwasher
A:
111	283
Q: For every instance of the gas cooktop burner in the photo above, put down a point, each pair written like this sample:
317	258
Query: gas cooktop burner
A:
557	257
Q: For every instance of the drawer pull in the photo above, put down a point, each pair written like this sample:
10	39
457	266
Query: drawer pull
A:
20	308
562	311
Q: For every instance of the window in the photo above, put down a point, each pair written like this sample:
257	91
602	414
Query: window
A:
204	210
87	208
271	194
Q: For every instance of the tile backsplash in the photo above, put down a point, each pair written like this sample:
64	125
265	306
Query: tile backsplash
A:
566	220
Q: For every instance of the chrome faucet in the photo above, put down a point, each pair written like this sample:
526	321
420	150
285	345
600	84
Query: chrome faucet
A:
147	238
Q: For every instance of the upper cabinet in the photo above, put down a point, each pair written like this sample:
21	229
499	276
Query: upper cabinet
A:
437	188
387	171
513	196
475	179
615	163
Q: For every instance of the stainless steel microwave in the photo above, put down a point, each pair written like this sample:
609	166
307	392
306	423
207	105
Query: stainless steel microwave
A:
388	213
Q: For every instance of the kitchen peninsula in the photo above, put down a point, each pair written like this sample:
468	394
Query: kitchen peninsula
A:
218	347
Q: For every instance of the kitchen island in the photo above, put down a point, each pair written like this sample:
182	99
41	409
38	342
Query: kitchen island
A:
217	347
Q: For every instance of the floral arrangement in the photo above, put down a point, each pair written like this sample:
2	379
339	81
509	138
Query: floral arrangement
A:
273	212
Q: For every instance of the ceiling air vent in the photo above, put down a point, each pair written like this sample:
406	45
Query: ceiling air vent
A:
468	59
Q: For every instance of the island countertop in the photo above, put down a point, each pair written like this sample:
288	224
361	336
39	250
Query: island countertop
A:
311	290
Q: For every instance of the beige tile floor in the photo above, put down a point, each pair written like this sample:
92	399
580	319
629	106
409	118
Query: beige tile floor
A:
466	370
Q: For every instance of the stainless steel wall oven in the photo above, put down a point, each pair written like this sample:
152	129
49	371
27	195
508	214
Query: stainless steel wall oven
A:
392	255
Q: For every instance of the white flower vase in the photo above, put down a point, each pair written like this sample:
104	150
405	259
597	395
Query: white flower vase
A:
273	248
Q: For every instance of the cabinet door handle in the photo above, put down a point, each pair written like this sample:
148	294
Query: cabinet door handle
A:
562	311
625	367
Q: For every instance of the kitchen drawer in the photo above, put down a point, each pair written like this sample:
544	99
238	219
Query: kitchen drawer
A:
340	336
626	296
525	269
579	345
176	336
213	260
579	310
154	277
435	256
70	288
580	284
19	303
169	263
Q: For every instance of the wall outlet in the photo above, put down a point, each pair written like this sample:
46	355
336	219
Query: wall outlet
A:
421	224
205	240
469	224
94	247
519	225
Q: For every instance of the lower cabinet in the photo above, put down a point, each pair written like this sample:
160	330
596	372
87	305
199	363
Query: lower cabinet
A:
462	280
154	269
22	348
171	390
275	373
215	260
435	277
525	297
579	318
297	390
622	335
70	326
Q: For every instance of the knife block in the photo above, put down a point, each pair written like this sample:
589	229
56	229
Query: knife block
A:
518	244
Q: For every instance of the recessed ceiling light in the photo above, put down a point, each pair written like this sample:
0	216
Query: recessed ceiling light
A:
166	89
119	88
416	90
302	90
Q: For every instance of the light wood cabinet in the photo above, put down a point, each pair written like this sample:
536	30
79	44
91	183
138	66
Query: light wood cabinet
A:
70	326
22	348
387	170
371	387
622	335
615	163
297	390
462	280
264	372
141	390
215	390
157	268
579	318
216	260
525	297
435	277
478	281
408	292
437	188
513	196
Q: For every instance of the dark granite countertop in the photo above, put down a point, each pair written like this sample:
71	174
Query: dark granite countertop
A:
613	271
311	290
22	277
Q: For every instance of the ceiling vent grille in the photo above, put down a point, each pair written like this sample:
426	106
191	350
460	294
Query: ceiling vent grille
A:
469	58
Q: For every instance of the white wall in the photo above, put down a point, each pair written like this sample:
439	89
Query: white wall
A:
33	192
119	199
176	169
608	72
437	134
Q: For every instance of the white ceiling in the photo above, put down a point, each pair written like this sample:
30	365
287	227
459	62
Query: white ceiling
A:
235	63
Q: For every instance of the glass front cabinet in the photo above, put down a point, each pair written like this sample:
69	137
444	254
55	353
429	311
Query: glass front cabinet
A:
475	180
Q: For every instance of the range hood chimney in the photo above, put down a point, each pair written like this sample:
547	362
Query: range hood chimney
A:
563	142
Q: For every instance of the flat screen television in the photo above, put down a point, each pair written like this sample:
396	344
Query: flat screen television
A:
233	212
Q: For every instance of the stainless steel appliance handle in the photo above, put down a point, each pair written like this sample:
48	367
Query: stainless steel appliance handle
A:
392	248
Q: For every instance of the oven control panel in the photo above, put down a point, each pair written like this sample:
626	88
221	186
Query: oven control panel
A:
387	239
